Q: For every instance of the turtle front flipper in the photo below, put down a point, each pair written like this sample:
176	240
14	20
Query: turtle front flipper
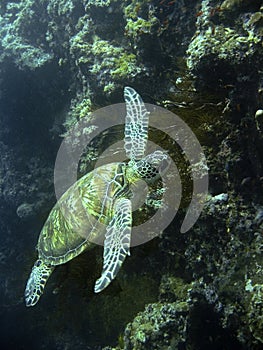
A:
136	124
116	244
37	281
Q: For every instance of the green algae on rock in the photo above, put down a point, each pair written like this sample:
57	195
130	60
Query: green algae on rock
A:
159	326
53	39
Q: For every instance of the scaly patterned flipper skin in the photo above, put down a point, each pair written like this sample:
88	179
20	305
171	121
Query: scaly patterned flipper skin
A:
117	243
136	124
37	281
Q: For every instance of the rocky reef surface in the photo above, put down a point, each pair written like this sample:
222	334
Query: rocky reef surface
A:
59	61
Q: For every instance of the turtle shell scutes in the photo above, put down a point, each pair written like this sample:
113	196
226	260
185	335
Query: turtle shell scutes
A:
81	214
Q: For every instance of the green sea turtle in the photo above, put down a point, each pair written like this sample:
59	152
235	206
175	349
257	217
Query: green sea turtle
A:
99	203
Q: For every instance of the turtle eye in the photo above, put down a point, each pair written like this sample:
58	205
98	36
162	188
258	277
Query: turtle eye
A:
38	263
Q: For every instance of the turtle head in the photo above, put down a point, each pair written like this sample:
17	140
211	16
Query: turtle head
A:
151	167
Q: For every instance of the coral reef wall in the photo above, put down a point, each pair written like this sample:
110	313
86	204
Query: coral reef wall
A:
62	59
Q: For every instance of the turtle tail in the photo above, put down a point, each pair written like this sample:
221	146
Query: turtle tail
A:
37	281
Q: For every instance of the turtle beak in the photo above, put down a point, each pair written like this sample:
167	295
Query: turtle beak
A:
163	167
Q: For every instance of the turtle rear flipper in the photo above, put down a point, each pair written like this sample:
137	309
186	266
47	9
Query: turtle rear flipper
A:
37	281
116	244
